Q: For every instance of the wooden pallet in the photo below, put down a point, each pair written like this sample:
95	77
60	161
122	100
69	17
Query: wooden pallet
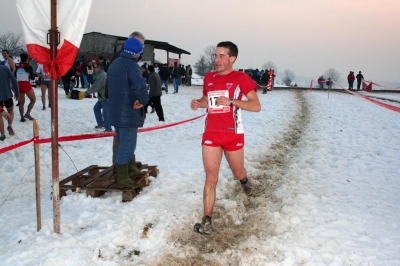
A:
97	180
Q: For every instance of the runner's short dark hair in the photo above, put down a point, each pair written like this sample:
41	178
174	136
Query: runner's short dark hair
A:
233	50
24	57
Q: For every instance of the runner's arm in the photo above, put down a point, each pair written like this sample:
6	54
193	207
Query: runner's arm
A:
252	104
12	65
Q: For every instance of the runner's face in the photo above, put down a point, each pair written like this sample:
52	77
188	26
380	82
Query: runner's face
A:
5	55
223	62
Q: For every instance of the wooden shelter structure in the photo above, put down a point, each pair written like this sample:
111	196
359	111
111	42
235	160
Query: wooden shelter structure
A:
95	44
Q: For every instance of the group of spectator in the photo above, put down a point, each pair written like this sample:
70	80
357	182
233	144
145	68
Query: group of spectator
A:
181	76
264	78
351	78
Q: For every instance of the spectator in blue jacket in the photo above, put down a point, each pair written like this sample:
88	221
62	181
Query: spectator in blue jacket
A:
127	94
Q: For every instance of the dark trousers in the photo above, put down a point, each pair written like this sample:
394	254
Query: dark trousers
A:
351	84
358	85
82	81
264	87
156	102
66	87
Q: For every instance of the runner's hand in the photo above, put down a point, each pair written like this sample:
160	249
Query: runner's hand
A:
195	104
222	100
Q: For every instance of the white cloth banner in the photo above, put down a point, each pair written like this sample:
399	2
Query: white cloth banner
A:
72	16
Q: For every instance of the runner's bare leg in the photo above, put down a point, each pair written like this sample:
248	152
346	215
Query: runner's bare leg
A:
236	162
212	160
21	102
32	97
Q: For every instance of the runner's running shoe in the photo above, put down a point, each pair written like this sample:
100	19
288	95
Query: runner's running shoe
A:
28	115
10	130
204	227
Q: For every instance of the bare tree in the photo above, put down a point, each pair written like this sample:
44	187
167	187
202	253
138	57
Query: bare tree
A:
206	61
270	65
288	77
333	74
201	65
210	56
12	42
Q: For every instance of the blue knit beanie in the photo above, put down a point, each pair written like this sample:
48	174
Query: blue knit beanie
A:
133	46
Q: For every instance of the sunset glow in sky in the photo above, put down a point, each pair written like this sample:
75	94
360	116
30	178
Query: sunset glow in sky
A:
307	36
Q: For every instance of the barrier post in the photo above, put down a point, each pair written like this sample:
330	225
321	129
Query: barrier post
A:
37	173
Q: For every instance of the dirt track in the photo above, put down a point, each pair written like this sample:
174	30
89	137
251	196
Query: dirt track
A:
226	237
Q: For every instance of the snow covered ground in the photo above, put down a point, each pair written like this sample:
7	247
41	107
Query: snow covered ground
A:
325	172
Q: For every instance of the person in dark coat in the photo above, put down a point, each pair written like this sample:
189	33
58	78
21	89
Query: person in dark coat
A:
141	38
127	94
359	78
264	79
84	74
164	75
103	61
183	75
155	92
350	80
189	75
176	75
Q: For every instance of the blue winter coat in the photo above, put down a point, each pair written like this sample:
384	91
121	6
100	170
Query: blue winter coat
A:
125	86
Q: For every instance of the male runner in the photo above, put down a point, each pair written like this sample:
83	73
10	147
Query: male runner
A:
24	71
222	95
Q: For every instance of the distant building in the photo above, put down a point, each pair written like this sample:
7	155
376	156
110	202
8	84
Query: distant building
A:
95	44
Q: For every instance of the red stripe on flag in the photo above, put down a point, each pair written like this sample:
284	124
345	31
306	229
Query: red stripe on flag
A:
64	61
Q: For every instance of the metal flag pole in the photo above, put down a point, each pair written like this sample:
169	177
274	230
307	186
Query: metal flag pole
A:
54	41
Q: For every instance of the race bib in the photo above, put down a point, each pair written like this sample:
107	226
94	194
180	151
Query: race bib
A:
213	108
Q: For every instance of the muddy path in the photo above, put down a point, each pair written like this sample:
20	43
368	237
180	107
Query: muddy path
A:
224	242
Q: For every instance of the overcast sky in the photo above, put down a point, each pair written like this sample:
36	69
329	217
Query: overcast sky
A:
305	36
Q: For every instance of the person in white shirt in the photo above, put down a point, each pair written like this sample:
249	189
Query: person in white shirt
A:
156	69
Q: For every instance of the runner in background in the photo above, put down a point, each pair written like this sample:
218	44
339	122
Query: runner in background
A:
45	80
24	75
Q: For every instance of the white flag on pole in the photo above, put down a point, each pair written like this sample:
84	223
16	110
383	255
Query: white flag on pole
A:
72	16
